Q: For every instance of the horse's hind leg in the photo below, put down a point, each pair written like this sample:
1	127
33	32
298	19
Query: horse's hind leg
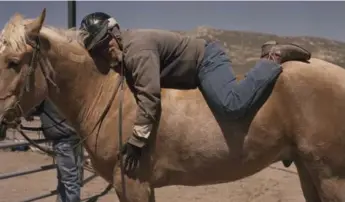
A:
333	189
135	190
309	190
327	176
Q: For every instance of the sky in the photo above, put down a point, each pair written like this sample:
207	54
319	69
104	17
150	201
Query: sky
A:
320	19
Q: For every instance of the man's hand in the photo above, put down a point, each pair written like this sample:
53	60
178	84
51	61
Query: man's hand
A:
131	156
132	150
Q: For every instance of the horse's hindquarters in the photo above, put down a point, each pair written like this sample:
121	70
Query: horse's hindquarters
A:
317	124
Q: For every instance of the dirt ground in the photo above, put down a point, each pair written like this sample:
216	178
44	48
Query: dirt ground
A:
269	185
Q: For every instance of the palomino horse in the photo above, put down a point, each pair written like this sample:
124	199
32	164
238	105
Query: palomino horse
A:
302	119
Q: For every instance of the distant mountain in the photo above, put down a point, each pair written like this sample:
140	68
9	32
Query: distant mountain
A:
244	47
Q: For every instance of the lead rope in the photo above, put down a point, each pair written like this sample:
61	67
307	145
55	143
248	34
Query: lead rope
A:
122	79
32	66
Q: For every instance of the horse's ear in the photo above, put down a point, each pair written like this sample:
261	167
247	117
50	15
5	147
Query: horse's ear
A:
35	26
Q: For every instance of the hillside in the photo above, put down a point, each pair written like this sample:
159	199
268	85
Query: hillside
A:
244	47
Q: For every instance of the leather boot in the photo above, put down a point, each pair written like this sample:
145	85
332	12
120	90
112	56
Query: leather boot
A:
281	53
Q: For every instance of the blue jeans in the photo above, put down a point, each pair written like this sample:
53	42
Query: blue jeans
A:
224	95
68	171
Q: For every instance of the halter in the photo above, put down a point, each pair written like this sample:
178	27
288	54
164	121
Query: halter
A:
28	78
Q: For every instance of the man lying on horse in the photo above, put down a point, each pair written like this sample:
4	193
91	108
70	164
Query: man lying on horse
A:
155	59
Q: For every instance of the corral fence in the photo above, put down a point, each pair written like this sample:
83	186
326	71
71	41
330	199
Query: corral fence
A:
14	142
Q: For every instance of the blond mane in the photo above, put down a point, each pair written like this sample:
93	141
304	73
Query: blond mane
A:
13	36
13	39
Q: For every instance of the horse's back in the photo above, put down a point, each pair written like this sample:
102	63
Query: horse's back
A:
316	69
316	78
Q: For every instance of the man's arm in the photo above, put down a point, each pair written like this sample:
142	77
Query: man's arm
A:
145	69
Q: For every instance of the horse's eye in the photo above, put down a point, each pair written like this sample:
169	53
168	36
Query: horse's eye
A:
13	62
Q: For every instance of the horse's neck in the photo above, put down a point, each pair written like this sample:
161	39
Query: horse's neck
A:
82	91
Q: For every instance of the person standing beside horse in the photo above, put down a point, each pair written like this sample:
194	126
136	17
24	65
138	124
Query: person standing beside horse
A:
67	157
155	59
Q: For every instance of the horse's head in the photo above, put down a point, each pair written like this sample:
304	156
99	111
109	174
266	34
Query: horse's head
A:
22	82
